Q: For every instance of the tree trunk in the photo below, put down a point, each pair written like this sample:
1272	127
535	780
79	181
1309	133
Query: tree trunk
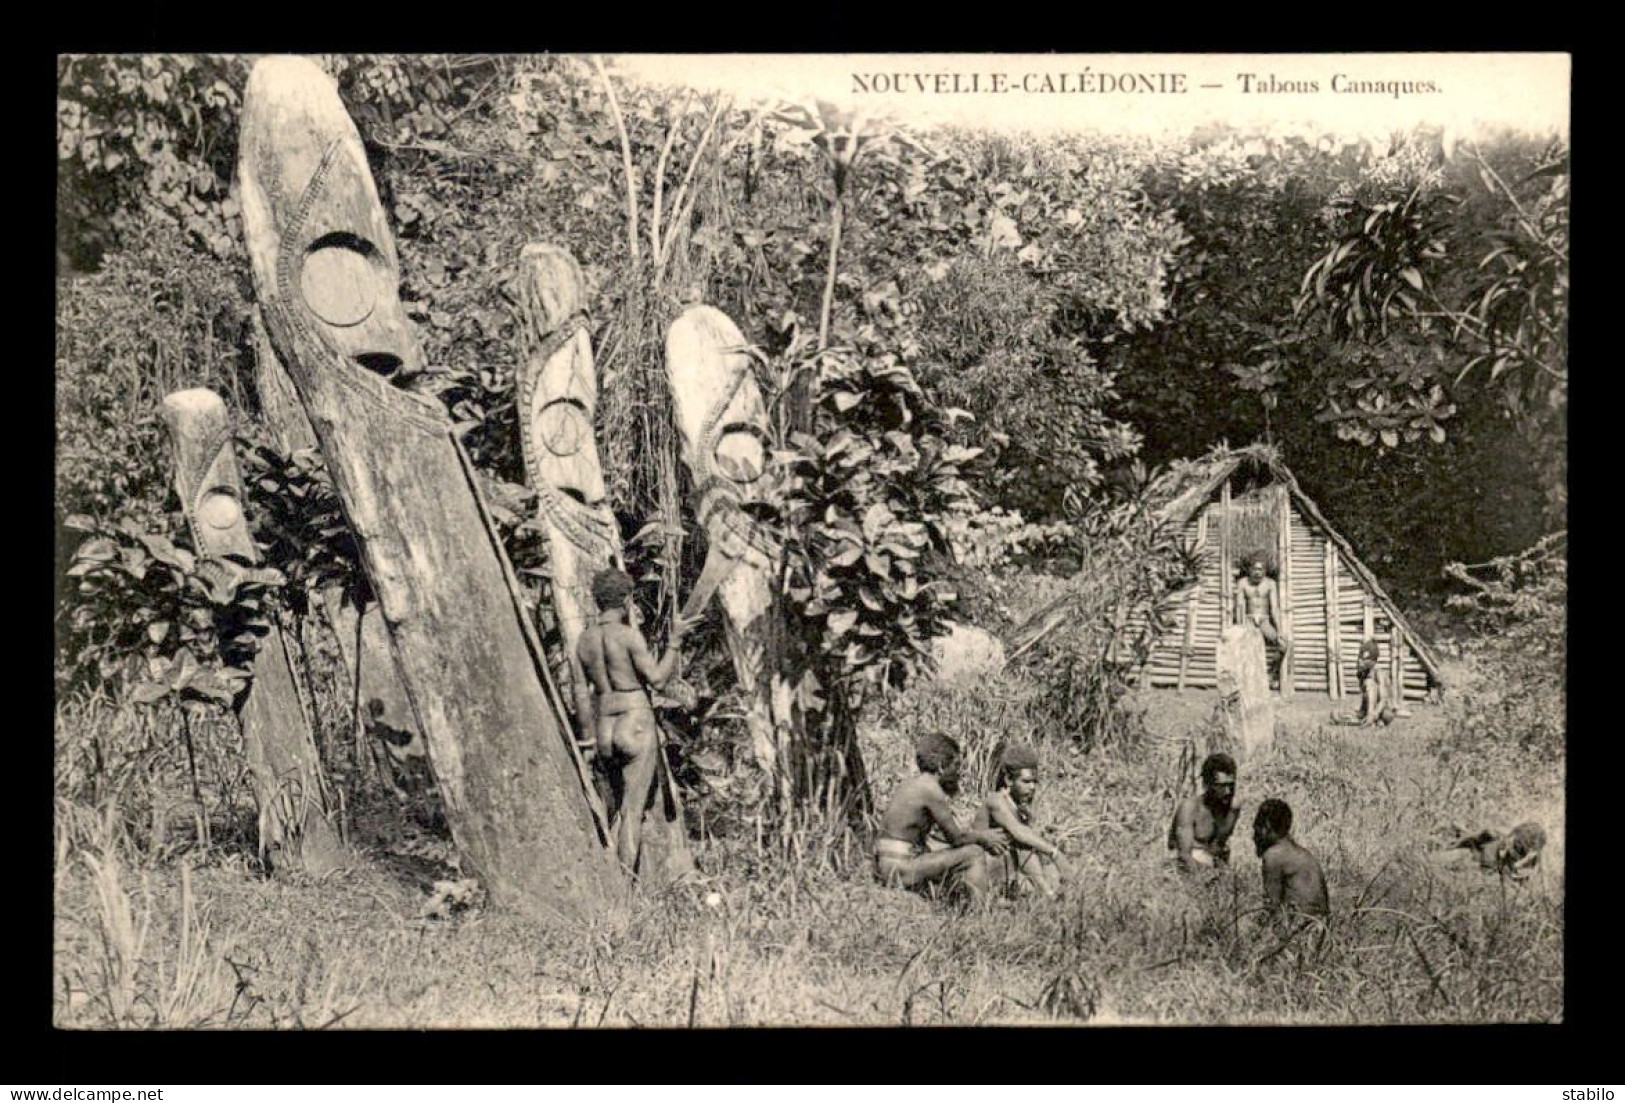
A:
327	277
296	829
557	392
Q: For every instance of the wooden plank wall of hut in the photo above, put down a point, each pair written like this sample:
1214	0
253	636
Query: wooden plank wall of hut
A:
1308	580
1202	663
1359	614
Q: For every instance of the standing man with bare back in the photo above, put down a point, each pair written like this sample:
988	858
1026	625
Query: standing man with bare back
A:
617	661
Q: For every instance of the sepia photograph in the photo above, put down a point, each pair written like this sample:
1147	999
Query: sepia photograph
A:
840	540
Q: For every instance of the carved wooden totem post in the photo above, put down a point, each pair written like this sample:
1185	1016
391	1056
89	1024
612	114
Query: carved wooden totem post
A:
557	394
296	829
724	428
326	273
362	638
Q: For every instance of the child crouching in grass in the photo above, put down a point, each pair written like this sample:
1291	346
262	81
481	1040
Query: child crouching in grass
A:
1031	863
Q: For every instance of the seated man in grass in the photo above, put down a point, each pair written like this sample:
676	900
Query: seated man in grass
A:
1032	862
922	804
1200	833
1294	884
1515	854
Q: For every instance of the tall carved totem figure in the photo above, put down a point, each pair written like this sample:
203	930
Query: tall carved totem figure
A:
296	827
557	391
724	426
327	278
362	638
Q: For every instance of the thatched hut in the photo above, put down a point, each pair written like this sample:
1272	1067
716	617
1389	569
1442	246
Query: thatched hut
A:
1237	503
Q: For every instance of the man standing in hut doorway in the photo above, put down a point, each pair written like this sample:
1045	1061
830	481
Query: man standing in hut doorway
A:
1258	603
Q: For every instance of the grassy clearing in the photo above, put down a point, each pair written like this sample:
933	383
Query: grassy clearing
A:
797	932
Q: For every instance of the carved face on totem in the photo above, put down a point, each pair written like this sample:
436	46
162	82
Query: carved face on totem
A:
561	411
206	472
558	385
305	183
718	405
740	453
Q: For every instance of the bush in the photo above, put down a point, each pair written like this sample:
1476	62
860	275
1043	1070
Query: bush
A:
1519	604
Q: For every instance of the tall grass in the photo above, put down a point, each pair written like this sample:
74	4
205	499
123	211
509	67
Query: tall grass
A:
794	929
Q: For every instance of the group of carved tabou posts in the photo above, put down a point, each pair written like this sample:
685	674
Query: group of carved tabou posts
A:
464	668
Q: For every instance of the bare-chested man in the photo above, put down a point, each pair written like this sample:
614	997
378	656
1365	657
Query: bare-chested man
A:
1032	860
1258	603
617	661
1200	833
920	804
1294	884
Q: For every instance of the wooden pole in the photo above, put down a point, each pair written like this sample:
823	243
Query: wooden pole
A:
1334	662
1226	552
1192	603
1396	663
557	393
327	277
723	423
1283	583
296	824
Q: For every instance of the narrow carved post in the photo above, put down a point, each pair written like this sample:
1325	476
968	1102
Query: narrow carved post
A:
724	428
295	825
557	392
327	278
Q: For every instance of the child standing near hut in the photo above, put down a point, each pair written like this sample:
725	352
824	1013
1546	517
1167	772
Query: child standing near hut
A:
1377	702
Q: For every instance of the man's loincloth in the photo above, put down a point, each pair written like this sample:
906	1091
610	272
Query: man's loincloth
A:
619	702
893	856
897	848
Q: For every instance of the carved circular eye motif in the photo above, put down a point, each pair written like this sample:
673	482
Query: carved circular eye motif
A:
563	428
219	510
340	279
740	455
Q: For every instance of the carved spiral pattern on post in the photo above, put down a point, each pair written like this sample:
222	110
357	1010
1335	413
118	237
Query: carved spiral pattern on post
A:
425	413
592	529
720	500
